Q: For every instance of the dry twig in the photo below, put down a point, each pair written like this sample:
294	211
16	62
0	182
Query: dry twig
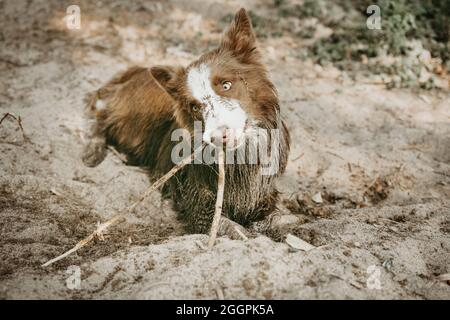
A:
98	233
18	119
240	233
219	200
119	155
219	292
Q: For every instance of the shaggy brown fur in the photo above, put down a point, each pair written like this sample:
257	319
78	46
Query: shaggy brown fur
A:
144	106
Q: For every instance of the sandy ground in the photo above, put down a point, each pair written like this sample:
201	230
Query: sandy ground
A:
379	158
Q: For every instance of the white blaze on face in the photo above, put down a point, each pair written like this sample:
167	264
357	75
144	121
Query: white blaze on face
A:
218	112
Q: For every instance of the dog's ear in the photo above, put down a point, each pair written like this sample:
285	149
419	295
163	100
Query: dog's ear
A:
165	76
240	38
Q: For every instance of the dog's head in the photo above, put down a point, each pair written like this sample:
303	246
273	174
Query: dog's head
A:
227	89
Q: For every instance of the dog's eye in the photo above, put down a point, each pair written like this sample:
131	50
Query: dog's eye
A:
226	85
195	107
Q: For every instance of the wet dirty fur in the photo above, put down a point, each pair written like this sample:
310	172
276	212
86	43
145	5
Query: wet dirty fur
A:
145	105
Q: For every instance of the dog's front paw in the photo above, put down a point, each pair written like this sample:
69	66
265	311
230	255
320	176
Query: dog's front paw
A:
232	229
94	153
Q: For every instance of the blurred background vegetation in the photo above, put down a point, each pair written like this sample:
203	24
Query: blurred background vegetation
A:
410	50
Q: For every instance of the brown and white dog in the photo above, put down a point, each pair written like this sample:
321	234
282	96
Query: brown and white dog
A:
227	90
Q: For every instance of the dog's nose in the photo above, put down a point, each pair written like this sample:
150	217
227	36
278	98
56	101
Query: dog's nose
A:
219	136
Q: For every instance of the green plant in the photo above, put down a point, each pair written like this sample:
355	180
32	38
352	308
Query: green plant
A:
402	22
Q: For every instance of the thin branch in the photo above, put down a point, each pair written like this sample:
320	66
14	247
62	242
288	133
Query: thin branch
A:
98	233
119	155
240	233
219	200
18	119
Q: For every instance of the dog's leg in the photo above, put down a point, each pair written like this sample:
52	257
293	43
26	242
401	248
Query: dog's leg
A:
95	150
199	221
232	229
276	224
97	112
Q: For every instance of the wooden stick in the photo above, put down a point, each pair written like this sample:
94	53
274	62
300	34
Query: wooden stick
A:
219	200
120	156
98	233
240	233
18	119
